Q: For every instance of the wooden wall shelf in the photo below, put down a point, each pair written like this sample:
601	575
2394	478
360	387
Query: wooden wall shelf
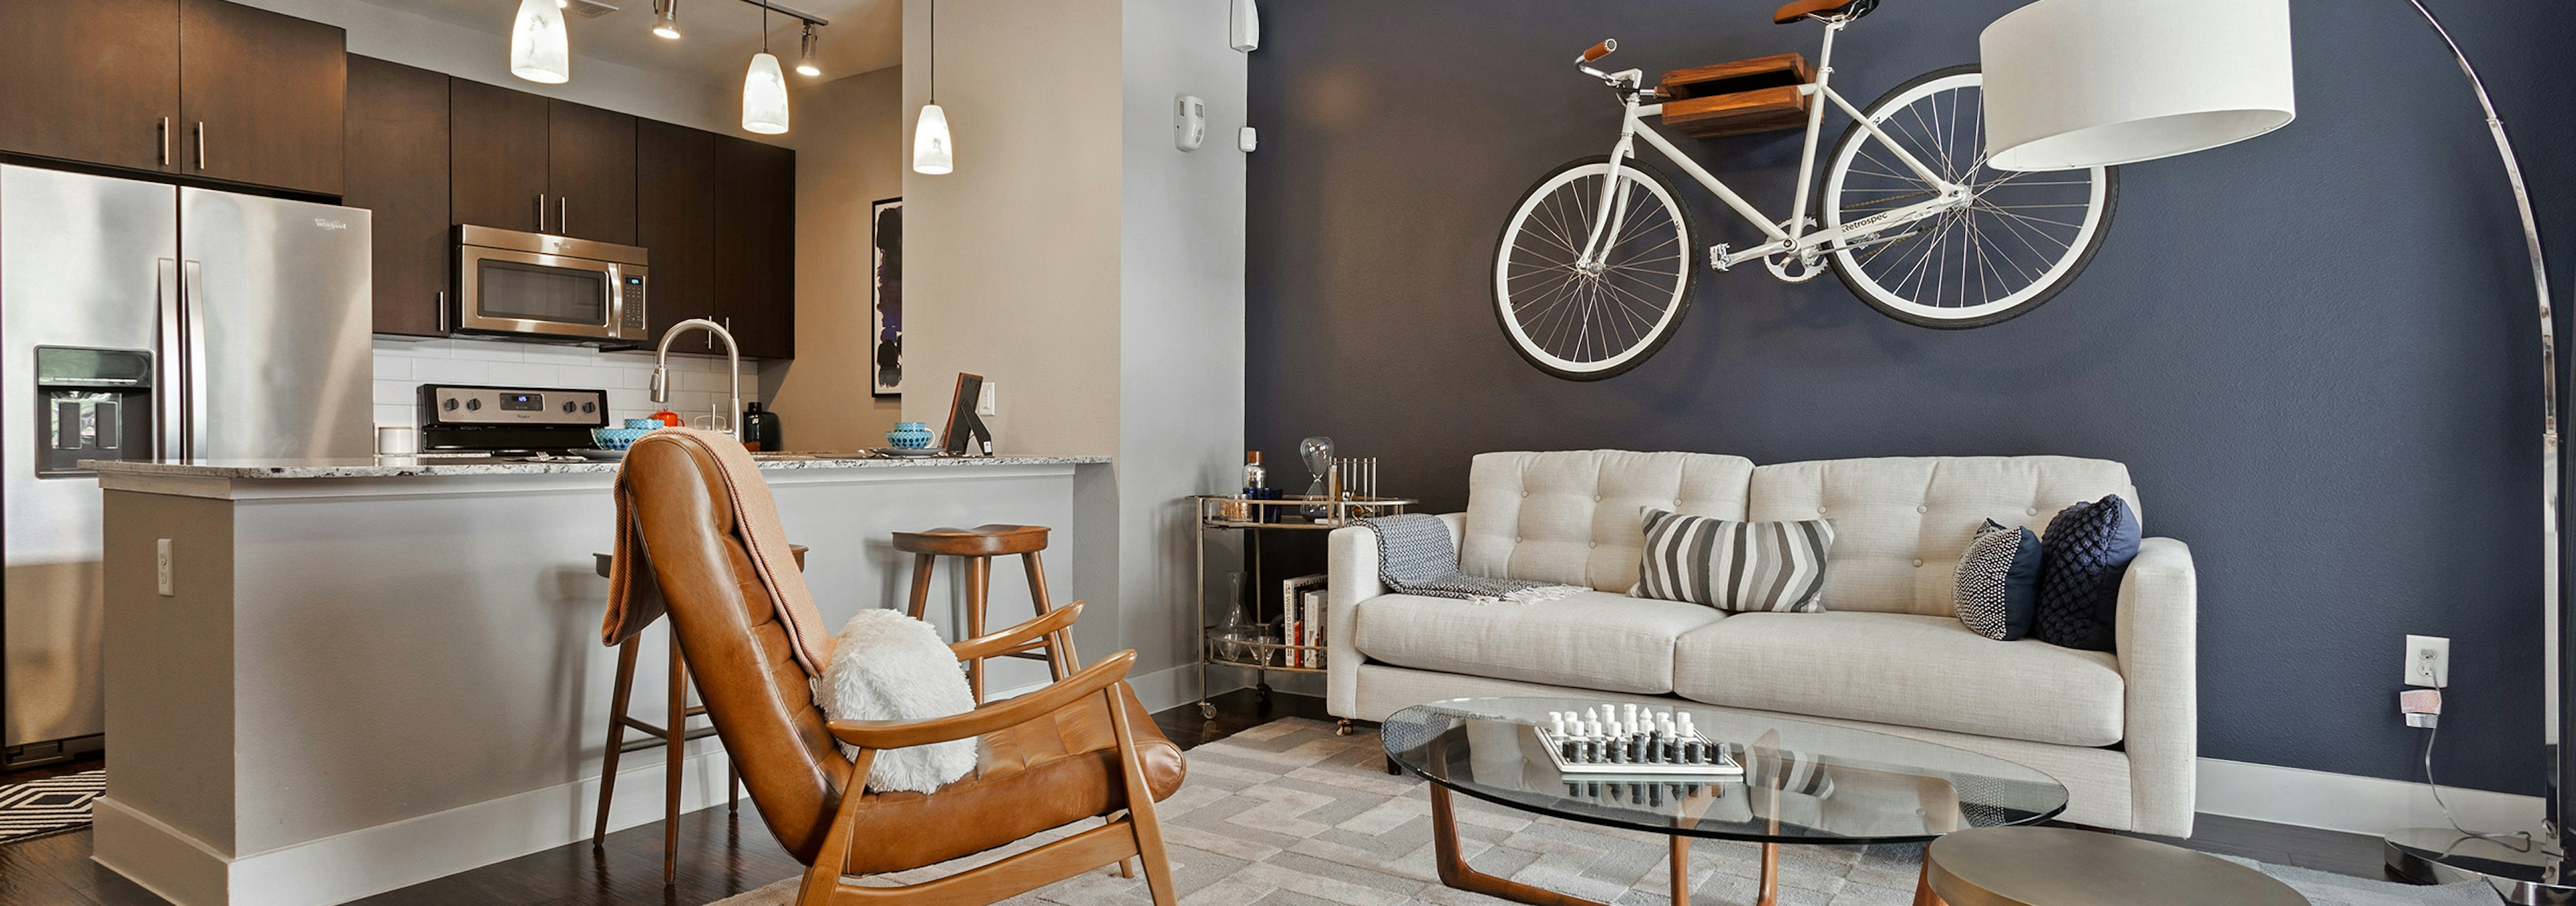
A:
1738	98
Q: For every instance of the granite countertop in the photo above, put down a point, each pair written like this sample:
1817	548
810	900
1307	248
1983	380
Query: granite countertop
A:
403	466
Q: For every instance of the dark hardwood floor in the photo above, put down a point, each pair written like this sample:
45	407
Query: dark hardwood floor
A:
722	854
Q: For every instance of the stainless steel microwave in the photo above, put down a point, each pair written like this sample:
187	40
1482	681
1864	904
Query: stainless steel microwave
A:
549	288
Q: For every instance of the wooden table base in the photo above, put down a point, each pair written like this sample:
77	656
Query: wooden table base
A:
1455	872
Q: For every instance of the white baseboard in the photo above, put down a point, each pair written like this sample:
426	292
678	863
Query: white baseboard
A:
344	867
2344	802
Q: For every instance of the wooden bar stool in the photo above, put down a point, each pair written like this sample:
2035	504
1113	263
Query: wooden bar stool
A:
979	545
671	735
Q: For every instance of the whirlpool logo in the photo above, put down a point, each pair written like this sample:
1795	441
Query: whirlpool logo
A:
330	224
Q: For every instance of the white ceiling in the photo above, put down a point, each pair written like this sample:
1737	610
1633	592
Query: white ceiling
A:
717	39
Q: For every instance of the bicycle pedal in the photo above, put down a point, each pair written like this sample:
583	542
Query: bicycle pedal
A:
1717	255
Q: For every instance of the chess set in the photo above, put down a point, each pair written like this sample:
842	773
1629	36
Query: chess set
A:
1627	741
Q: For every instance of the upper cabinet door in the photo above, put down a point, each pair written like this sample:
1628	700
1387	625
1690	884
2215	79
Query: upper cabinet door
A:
590	165
498	161
91	80
397	149
260	97
675	199
756	246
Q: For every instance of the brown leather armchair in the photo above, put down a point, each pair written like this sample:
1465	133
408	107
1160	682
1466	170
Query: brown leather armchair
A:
1077	749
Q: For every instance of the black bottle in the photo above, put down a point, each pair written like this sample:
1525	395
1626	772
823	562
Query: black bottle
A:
760	429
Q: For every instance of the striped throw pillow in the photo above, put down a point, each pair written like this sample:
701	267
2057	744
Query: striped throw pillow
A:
1732	565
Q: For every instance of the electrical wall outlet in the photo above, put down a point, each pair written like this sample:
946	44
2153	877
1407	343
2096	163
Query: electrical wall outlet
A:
984	404
169	587
2428	661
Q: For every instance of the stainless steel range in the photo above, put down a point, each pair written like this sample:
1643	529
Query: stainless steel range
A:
467	421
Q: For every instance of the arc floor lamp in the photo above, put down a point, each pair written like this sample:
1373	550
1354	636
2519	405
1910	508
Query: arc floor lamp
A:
2080	83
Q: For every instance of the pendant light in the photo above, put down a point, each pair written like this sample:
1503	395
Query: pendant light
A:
666	18
764	88
805	58
539	50
930	148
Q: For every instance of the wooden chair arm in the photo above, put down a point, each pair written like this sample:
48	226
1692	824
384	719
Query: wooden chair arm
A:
993	644
896	734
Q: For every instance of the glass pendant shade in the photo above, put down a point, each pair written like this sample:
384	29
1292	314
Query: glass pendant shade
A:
930	155
2090	83
764	96
539	49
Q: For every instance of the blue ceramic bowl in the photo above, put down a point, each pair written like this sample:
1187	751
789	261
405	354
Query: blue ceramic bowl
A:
644	424
618	438
910	435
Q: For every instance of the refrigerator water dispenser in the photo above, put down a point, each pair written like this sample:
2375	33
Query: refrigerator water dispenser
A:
91	404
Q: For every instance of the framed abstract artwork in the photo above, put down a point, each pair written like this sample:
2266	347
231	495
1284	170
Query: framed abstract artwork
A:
886	304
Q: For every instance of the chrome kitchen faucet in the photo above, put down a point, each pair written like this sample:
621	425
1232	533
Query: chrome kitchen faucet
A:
729	421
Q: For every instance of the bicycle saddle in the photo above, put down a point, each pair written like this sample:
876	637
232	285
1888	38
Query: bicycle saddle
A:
1798	10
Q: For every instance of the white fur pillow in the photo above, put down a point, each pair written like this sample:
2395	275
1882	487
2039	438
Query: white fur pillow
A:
888	666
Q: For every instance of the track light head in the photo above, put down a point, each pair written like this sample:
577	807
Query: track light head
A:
666	18
805	59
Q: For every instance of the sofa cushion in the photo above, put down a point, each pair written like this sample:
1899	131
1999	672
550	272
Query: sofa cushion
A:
1571	517
1734	565
2087	547
1593	639
1900	524
1903	669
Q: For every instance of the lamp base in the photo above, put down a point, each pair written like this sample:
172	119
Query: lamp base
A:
2427	855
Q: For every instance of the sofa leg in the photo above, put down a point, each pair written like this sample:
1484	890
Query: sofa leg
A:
1342	728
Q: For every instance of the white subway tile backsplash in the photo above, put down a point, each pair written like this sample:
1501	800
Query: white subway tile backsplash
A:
396	393
396	415
524	374
699	382
450	371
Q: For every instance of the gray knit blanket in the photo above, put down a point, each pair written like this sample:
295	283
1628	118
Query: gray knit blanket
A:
1416	557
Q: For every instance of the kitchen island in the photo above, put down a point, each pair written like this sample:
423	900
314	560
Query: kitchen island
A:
362	674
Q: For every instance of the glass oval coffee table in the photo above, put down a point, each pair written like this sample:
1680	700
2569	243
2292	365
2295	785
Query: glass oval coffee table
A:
1803	783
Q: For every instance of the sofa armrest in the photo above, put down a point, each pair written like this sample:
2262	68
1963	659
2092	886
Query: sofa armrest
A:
2159	656
1352	577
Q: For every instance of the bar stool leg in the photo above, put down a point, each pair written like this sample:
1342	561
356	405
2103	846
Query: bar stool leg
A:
1059	652
676	733
979	583
617	700
733	786
921	582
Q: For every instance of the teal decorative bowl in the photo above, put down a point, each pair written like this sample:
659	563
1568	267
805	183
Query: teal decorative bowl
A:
616	438
644	424
909	435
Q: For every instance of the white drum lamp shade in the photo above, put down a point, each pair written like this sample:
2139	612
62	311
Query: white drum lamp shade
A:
930	154
539	49
2091	83
764	96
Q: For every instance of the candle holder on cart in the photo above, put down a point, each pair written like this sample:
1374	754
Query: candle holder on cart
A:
1252	643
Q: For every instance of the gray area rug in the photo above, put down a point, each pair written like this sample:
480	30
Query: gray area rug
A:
1288	814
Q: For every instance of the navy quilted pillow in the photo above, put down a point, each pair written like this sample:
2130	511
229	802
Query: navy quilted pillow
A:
2081	558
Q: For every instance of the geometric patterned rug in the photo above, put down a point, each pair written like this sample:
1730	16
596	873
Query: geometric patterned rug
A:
1288	814
51	805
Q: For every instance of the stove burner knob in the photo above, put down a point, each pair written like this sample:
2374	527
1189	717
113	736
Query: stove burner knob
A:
589	407
473	405
449	405
567	407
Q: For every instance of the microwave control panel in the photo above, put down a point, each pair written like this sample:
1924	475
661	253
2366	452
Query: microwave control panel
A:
631	302
444	405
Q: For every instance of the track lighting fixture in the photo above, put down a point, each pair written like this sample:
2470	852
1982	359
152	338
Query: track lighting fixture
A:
805	58
666	18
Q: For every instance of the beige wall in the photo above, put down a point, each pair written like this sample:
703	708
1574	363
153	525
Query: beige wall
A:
849	153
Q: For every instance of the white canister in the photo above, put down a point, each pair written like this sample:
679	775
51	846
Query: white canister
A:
397	440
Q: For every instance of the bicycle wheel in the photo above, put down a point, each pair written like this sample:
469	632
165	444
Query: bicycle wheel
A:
2027	236
1586	322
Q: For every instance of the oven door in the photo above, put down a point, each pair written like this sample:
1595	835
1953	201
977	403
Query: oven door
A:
549	296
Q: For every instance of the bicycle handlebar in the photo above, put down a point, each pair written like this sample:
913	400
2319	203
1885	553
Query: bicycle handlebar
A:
1600	50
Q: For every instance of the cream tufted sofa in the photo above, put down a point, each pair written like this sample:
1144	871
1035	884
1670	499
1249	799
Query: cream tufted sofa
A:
2119	730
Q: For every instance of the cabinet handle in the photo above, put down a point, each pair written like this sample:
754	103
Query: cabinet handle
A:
541	212
165	141
201	144
442	311
563	214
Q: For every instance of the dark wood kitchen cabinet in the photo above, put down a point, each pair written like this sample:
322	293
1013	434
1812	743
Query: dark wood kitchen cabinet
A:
397	167
260	97
675	207
94	81
590	166
498	161
755	248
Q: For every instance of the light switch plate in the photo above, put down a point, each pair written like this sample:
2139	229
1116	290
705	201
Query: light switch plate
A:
169	587
984	404
2428	661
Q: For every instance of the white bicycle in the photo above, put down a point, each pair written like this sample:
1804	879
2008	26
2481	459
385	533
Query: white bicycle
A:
1593	271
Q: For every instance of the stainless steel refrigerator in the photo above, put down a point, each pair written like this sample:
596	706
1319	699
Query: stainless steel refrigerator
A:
149	321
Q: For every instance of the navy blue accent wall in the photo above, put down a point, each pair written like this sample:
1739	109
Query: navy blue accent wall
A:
2316	351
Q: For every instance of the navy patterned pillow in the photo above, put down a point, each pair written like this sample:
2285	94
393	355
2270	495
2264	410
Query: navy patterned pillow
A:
2087	548
1997	582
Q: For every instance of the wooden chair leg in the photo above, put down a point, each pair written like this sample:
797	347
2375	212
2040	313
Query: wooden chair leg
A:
1140	806
979	583
617	700
921	564
733	785
1127	868
676	735
823	877
1060	663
